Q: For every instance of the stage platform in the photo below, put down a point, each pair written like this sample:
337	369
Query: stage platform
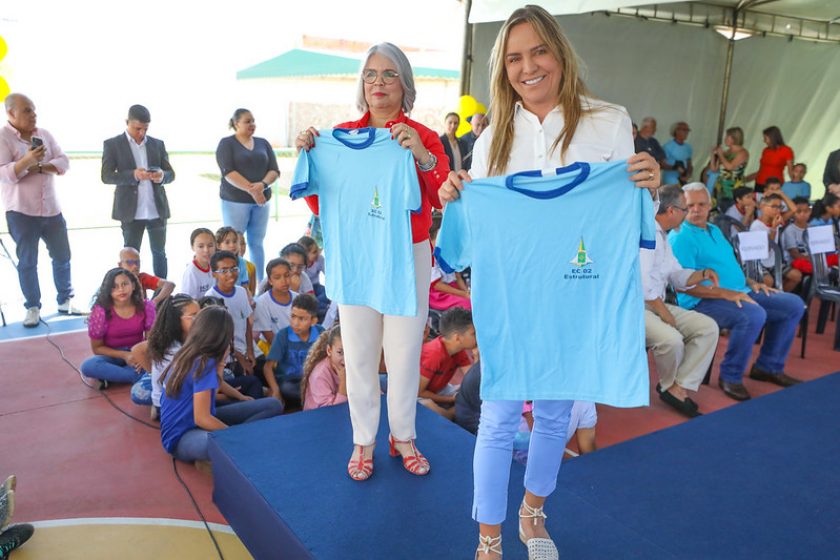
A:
756	480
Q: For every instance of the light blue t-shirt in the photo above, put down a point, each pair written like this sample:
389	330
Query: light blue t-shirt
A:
700	248
797	188
573	327
367	187
675	152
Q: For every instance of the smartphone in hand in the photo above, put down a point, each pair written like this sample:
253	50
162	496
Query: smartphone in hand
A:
36	142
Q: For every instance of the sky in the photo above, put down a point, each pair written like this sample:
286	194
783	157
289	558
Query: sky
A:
84	63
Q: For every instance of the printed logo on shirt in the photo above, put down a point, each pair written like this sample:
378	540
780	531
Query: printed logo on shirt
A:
376	206
581	269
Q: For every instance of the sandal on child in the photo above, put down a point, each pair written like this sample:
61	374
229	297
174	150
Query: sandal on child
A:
487	544
538	548
415	463
360	469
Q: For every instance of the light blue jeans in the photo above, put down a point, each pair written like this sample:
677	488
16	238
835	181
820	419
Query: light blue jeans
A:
253	220
110	369
193	444
497	429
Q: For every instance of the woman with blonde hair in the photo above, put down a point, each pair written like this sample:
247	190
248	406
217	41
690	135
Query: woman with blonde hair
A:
731	163
543	117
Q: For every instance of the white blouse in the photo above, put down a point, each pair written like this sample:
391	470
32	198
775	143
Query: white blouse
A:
602	135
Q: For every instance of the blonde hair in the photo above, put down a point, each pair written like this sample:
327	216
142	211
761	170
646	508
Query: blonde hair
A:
316	354
503	98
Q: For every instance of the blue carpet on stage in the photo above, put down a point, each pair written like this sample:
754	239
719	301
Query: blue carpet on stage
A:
58	324
757	480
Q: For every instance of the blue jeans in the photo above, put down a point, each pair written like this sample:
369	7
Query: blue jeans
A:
779	313
27	231
110	369
193	444
253	220
497	429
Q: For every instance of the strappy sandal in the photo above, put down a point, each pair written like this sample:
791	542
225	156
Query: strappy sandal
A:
360	469
487	544
415	463
538	548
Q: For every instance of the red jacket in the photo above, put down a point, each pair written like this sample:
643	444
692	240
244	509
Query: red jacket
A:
430	181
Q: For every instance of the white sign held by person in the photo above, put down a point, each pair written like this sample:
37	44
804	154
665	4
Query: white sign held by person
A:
753	245
821	240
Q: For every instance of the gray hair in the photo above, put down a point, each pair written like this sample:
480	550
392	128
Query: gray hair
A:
647	121
12	98
669	196
395	55
695	187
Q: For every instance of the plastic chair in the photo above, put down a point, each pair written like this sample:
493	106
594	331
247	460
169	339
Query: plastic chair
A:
822	287
726	224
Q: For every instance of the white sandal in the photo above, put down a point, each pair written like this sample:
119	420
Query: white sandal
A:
538	549
487	544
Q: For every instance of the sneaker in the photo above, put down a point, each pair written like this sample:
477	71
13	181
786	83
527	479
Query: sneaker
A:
7	506
33	317
13	538
67	308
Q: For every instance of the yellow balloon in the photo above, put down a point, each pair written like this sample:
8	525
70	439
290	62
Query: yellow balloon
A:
480	108
4	89
467	106
463	128
4	48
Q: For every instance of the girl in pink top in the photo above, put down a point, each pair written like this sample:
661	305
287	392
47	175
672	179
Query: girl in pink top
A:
120	318
324	381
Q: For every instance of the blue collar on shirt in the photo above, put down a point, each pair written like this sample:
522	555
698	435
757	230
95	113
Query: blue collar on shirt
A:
221	293
293	337
583	173
271	295
354	133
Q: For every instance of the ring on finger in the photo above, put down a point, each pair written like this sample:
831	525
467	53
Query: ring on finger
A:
651	175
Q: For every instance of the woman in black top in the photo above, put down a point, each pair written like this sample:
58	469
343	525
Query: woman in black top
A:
248	167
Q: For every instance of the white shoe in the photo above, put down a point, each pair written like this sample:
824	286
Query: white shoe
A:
67	308
33	317
538	549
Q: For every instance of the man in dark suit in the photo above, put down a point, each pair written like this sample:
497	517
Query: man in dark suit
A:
139	167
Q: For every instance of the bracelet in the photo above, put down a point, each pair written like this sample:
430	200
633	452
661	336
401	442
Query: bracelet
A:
429	166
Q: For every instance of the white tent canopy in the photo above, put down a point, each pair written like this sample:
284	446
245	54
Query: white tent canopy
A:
676	72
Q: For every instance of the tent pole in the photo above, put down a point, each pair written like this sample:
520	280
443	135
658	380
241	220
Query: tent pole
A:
724	96
467	58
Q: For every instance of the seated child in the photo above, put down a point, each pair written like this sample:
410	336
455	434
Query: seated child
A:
324	381
797	186
744	208
447	289
120	318
468	400
188	405
249	266
774	186
227	239
130	261
582	422
283	368
770	222
314	268
197	277
273	306
235	298
295	254
441	358
793	238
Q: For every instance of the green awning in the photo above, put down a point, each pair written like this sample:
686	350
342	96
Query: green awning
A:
299	63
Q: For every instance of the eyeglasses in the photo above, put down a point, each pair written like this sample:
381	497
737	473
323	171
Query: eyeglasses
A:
680	208
388	76
297	267
232	270
132	262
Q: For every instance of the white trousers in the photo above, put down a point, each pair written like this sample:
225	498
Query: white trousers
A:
365	333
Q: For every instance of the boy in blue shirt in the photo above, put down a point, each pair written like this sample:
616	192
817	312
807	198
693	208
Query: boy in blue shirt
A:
283	368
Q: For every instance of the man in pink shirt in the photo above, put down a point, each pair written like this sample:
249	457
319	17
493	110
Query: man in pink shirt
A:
30	159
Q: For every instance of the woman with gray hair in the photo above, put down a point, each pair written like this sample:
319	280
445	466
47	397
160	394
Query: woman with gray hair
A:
385	96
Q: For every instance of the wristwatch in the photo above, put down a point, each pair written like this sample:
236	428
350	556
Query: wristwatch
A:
430	165
40	168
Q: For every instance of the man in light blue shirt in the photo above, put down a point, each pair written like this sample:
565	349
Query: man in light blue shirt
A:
739	304
678	168
558	332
